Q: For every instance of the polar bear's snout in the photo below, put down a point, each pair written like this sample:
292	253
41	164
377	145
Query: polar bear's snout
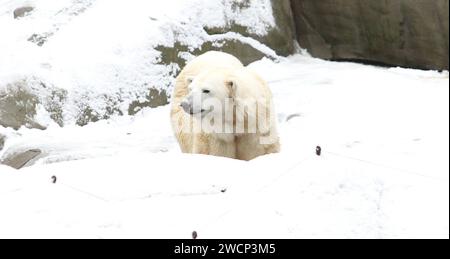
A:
187	106
192	106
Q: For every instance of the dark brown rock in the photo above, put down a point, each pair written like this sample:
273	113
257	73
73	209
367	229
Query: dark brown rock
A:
410	33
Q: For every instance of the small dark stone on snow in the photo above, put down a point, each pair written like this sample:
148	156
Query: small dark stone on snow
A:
318	151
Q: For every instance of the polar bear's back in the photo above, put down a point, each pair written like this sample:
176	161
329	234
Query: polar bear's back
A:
250	84
213	59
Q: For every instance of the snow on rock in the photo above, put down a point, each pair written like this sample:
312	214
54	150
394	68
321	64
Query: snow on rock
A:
93	59
121	135
383	172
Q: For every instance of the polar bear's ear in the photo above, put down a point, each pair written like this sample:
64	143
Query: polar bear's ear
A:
189	80
231	86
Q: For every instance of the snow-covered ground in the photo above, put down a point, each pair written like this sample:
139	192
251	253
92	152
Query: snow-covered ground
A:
384	172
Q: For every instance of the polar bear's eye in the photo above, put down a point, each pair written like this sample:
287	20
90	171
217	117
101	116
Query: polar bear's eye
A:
206	91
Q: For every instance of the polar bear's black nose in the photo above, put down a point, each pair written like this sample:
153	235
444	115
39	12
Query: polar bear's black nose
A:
186	107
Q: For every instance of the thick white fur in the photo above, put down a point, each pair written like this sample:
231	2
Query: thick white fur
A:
242	88
182	123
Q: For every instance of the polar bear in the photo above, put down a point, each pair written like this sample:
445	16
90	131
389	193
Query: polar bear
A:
182	123
228	111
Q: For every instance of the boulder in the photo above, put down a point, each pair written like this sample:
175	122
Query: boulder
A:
280	38
20	100
233	38
18	107
22	11
54	102
86	113
24	99
246	52
153	99
409	33
239	40
21	159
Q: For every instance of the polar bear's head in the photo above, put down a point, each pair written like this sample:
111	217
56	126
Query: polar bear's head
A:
230	100
210	93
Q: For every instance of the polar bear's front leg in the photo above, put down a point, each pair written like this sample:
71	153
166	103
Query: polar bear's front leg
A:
212	144
201	144
223	145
